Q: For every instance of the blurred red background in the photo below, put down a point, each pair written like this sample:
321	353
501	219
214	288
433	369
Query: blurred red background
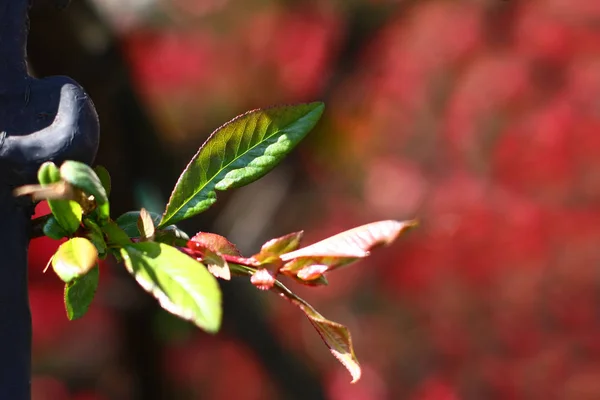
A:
480	118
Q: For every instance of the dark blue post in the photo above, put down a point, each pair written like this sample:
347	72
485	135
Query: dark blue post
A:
40	120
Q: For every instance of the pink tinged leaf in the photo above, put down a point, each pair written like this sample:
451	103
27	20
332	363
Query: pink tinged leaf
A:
354	243
336	336
298	264
263	279
275	247
216	264
312	272
214	242
343	248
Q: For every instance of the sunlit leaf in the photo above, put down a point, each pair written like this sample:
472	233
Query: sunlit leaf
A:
129	222
80	292
238	153
336	336
74	258
271	250
339	250
182	285
145	225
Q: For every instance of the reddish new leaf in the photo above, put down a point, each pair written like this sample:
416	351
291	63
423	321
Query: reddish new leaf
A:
213	242
271	250
336	336
311	262
263	279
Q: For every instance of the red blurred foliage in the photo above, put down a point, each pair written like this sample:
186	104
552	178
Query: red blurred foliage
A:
481	119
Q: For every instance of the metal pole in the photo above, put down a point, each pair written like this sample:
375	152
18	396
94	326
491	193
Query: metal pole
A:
40	120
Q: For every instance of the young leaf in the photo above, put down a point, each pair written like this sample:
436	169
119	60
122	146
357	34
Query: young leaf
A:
312	261
145	225
216	264
271	250
181	284
129	222
214	242
80	292
67	213
336	336
238	153
82	176
74	258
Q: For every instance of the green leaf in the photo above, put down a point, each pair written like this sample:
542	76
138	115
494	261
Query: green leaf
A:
336	336
104	177
67	212
115	235
74	258
96	236
83	177
80	292
182	285
238	153
53	230
172	236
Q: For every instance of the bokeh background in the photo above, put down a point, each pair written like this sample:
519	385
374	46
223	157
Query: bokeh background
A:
479	117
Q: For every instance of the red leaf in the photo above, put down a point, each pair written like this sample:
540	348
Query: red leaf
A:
336	336
213	242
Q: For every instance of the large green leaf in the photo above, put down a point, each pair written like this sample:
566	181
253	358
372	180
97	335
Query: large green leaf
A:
182	285
80	292
238	153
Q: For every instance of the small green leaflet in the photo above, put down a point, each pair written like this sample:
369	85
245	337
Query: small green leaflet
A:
66	212
238	153
80	292
182	285
82	176
74	258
